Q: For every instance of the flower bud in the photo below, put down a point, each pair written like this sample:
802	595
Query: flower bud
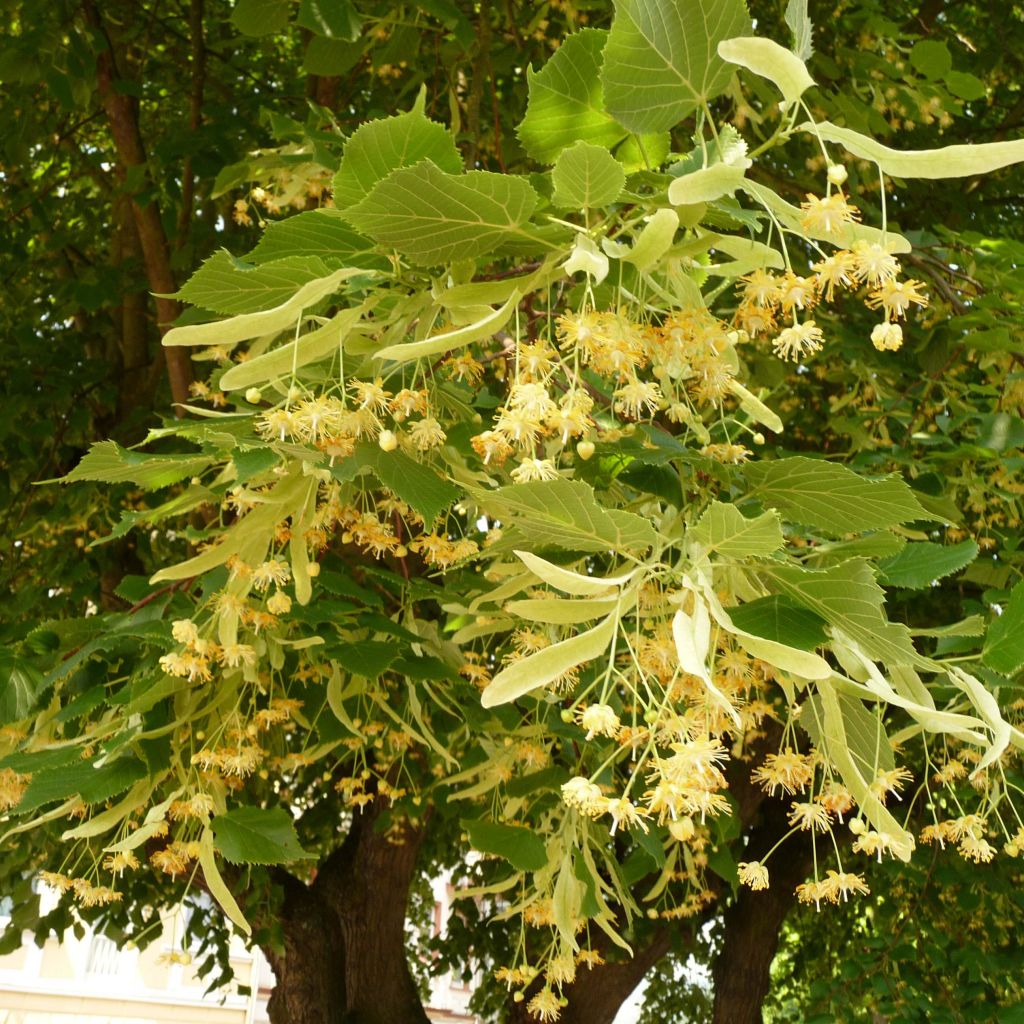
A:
585	449
837	174
388	441
254	396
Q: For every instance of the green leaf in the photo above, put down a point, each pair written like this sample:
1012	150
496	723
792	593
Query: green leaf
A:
921	564
257	835
412	481
800	25
21	685
661	62
847	597
831	496
369	658
334	19
751	404
1004	644
229	286
322	233
965	86
108	462
931	58
948	162
973	625
565	513
93	785
781	620
723	528
433	217
769	60
331	56
521	847
566	103
260	17
379	147
791	659
586	176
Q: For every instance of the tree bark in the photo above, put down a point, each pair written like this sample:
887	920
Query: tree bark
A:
753	922
123	120
344	960
597	994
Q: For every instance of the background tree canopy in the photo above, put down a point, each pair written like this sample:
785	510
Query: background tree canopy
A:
575	446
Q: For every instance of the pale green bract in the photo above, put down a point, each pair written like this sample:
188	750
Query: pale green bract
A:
769	60
948	162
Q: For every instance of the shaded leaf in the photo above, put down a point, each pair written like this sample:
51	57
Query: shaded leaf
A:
1004	644
521	847
257	835
921	564
779	619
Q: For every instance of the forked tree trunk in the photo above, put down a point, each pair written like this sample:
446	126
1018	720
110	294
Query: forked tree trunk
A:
345	941
754	920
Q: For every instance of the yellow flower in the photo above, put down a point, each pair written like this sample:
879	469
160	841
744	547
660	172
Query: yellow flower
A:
271	571
835	271
896	297
625	813
827	216
545	1006
600	720
754	874
761	289
976	848
873	264
12	788
637	398
842	883
789	771
810	817
534	469
799	340
426	434
887	337
797	293
583	795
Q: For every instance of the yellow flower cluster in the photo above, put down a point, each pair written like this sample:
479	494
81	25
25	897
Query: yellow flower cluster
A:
766	297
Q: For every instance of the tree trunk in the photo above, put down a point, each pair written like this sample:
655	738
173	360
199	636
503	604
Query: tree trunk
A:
123	120
344	959
753	922
597	994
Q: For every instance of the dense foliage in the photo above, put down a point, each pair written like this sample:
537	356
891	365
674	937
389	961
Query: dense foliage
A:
608	467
